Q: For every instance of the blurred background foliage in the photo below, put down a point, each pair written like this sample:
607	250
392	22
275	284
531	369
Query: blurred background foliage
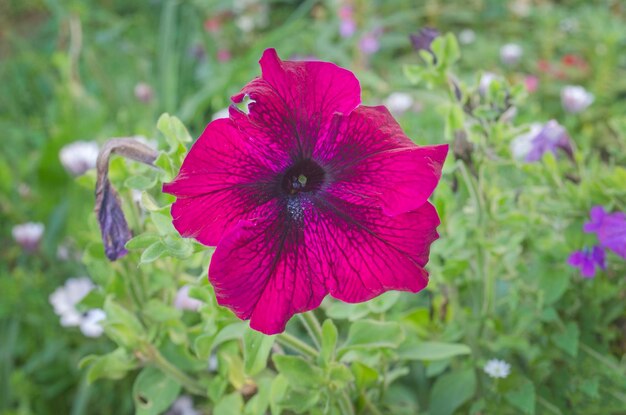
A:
69	71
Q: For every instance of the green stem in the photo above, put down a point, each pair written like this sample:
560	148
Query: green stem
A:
345	403
549	406
312	326
296	344
608	363
166	367
370	405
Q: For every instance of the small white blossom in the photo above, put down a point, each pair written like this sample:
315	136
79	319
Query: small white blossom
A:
91	325
184	302
511	53
522	144
467	36
485	81
213	363
79	156
182	406
497	368
575	98
28	235
64	300
399	102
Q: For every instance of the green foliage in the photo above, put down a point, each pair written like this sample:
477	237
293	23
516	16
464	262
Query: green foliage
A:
499	283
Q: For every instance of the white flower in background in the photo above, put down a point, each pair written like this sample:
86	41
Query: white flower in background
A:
143	92
467	36
79	156
523	143
399	102
223	113
497	368
511	53
91	324
64	300
213	363
184	302
485	81
575	98
183	405
28	235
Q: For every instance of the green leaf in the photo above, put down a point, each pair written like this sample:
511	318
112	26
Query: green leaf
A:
369	334
173	129
383	302
121	325
567	340
451	391
163	223
114	365
280	384
329	341
153	252
231	404
432	351
300	373
142	241
340	376
140	182
148	202
365	377
178	247
256	350
154	392
160	312
300	402
523	398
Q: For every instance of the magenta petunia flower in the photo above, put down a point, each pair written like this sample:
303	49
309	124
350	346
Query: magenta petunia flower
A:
610	229
587	260
307	194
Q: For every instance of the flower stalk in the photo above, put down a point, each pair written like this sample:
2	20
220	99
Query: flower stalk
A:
296	344
157	359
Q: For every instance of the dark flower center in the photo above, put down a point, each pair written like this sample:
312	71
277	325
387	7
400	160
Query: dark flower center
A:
304	176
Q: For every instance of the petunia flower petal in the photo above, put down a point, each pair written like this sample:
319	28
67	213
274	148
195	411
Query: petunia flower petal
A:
222	180
293	103
261	271
372	162
362	253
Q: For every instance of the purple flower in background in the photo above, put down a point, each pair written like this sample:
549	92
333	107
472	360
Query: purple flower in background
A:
28	235
424	39
610	229
369	43
551	137
347	25
587	260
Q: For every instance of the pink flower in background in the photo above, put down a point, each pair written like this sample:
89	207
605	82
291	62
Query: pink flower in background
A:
143	92
610	229
587	260
308	193
223	55
28	235
532	83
